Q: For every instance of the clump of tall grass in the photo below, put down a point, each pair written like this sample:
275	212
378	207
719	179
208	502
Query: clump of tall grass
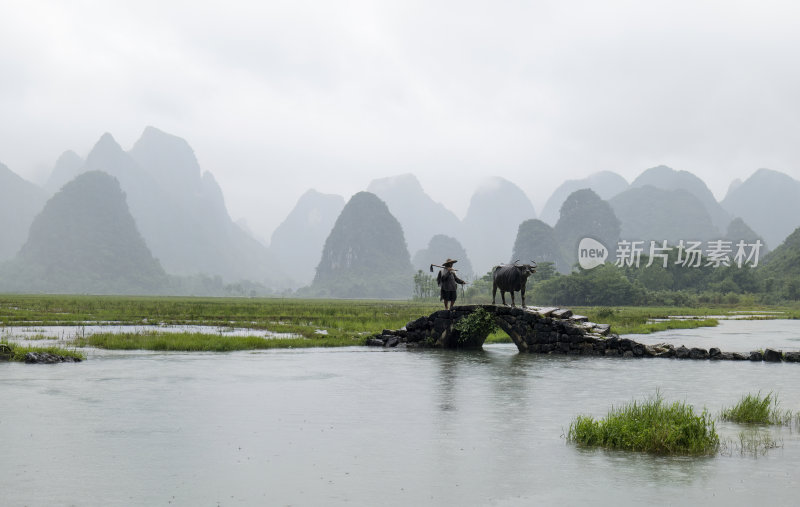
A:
652	426
755	409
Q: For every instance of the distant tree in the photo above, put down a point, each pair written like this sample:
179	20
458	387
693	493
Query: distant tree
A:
544	271
424	286
480	291
601	286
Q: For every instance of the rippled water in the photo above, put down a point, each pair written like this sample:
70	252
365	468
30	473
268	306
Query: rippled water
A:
361	426
733	336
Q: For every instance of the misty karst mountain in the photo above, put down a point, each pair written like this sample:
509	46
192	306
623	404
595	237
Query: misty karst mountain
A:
85	241
297	242
738	230
440	248
769	202
784	261
20	201
179	209
649	213
666	178
493	217
180	212
536	241
585	215
365	255
68	166
420	216
606	184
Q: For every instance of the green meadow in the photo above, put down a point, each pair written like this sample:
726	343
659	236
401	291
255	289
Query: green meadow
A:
311	322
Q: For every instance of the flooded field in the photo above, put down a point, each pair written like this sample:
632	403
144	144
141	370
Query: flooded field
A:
359	426
66	334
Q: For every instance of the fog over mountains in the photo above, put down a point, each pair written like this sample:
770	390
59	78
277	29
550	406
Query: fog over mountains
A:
179	212
20	201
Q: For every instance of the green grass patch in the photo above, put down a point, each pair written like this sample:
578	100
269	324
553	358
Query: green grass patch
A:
200	342
16	352
652	327
347	320
652	426
639	320
498	337
757	409
340	318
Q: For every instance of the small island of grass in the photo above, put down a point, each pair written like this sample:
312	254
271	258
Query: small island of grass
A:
652	426
20	353
755	409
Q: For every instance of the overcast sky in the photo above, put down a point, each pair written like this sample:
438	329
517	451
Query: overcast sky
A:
279	97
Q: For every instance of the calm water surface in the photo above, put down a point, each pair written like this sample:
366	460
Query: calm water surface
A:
360	426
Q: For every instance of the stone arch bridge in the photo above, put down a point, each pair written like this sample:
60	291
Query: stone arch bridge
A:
548	330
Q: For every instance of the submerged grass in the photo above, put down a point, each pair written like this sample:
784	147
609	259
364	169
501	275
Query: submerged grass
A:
652	426
755	409
200	342
752	442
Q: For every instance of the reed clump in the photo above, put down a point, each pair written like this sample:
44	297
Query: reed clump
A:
651	426
757	409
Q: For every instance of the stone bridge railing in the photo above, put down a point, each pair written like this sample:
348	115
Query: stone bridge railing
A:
549	331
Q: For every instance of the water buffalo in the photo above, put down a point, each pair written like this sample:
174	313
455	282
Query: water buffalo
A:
511	277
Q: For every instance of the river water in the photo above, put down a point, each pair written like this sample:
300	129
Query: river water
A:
363	426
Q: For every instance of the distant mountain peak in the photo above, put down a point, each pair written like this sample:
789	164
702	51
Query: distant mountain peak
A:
406	181
365	254
152	135
495	211
769	202
69	157
606	184
100	249
420	216
106	145
662	174
67	167
770	174
297	242
493	184
168	158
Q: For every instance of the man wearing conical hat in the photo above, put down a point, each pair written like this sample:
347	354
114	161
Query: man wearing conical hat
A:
447	280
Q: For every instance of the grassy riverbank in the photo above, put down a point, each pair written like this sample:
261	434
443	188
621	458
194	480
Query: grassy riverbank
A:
316	323
200	342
